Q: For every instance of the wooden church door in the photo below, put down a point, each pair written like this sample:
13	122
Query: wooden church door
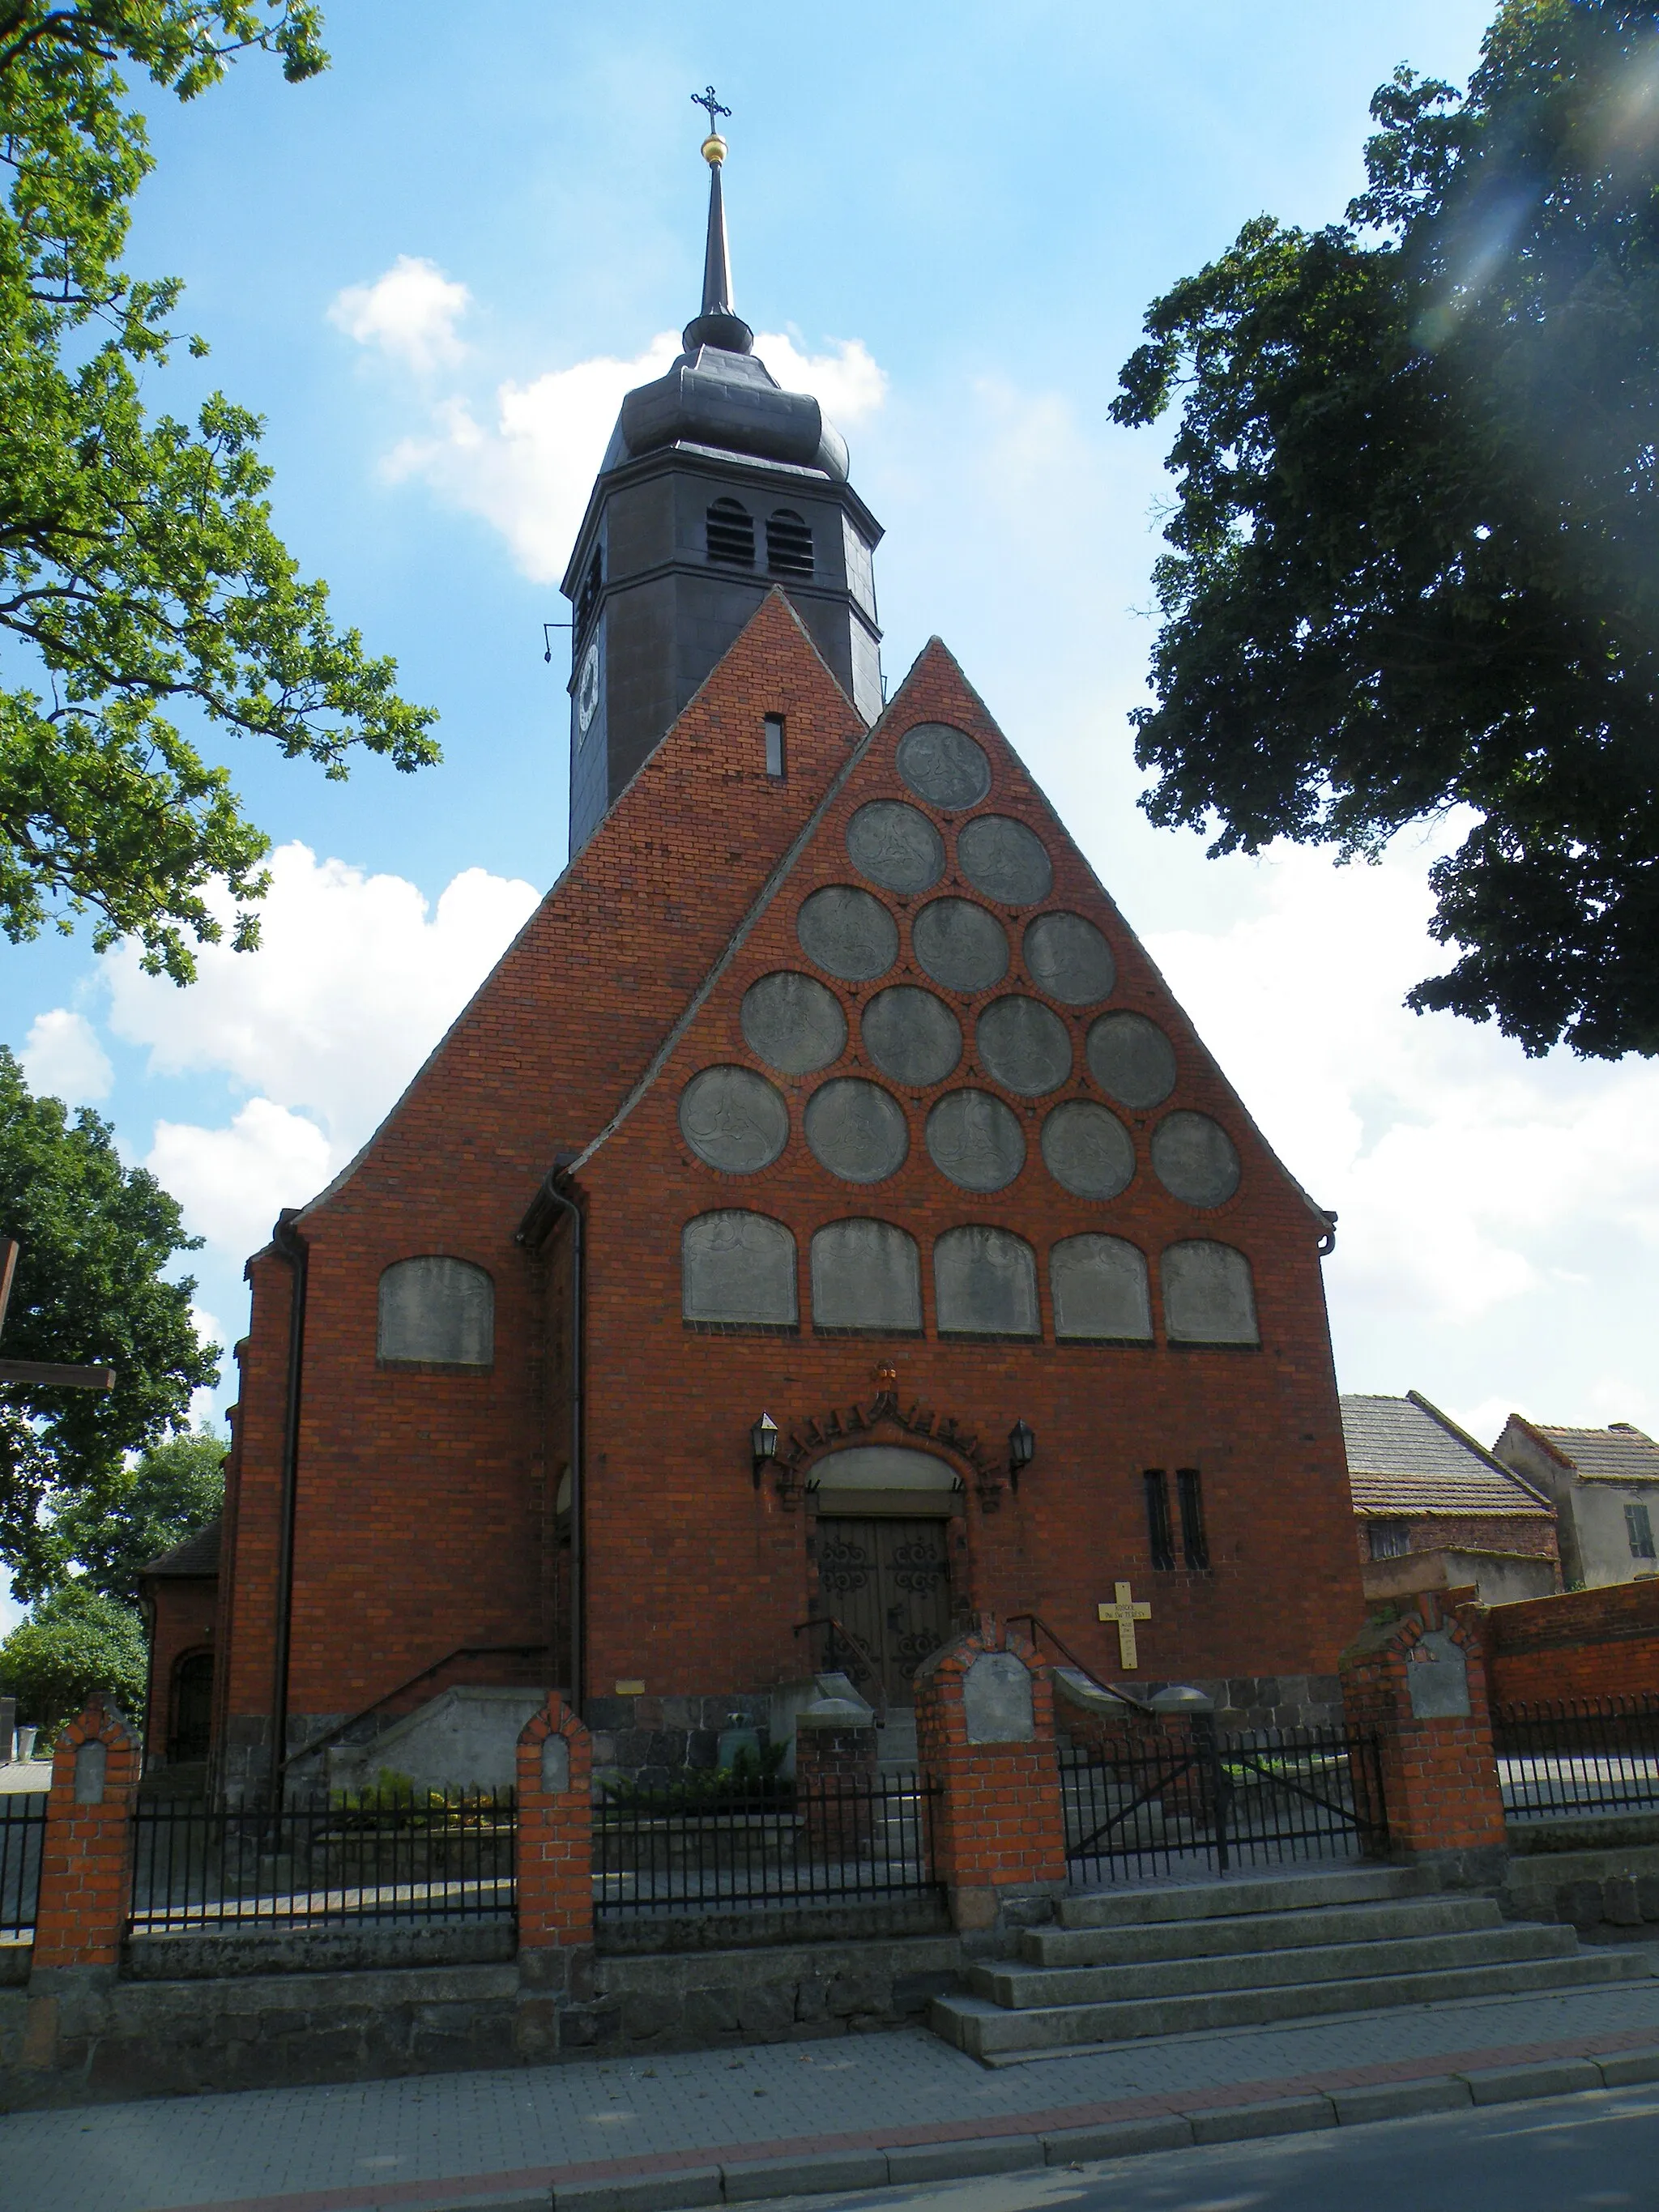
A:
888	1583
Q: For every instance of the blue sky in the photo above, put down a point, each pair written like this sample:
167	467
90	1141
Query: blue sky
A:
435	271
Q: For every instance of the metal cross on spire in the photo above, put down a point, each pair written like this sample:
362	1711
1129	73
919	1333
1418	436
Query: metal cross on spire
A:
708	99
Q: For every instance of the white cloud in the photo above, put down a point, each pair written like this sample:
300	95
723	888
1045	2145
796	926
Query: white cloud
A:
409	314
230	1182
529	473
63	1059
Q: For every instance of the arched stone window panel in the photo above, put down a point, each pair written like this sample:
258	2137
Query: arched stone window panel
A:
865	1274
738	1269
729	534
985	1284
788	543
1101	1290
437	1313
1209	1296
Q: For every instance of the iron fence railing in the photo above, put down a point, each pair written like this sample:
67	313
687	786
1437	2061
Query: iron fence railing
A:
835	1840
22	1825
436	1855
1577	1755
1146	1807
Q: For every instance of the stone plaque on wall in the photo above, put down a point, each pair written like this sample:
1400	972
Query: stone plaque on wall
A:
960	944
985	1284
1208	1295
437	1310
1193	1157
1101	1290
1066	956
856	1130
1438	1677
738	1266
865	1274
912	1036
1023	1045
733	1119
792	1022
1005	859
975	1140
846	932
996	1699
1132	1060
943	765
1087	1150
896	845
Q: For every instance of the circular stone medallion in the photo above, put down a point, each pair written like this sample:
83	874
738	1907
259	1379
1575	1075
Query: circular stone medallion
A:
1193	1157
1088	1150
895	845
1132	1060
792	1022
1025	1046
856	1130
975	1140
912	1036
1006	861
848	933
960	944
733	1119
1067	957
943	766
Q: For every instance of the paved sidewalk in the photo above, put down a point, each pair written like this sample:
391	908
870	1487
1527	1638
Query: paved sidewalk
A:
443	2141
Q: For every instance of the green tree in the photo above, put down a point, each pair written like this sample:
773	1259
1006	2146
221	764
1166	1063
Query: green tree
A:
175	1488
143	593
73	1643
95	1237
1412	553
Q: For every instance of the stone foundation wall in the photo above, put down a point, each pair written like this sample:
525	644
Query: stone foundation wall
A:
1600	1872
657	1739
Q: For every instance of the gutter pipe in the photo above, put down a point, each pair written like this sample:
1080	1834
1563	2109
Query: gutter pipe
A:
293	1247
548	1195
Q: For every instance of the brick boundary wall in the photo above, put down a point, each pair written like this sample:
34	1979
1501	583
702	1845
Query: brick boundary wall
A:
1587	1644
555	1881
86	1856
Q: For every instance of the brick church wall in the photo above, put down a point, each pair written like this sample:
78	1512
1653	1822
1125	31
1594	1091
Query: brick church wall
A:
184	1612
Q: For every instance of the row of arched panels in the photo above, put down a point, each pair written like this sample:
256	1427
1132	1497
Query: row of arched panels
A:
739	1268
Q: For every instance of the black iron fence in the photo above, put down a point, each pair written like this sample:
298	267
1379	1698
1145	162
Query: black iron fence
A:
431	1855
1202	1801
22	1826
1579	1755
835	1840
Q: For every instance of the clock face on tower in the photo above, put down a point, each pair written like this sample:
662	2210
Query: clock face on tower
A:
587	688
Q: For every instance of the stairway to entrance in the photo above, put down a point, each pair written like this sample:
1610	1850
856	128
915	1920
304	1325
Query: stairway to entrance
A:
1238	1954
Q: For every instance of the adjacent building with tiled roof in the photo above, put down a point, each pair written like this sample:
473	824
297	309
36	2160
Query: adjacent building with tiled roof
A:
1433	1506
1604	1484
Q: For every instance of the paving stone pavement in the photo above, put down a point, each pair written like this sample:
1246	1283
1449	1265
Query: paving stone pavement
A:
444	2141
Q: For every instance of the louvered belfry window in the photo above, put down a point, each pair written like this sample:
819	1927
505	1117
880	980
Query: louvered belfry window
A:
592	583
730	530
788	543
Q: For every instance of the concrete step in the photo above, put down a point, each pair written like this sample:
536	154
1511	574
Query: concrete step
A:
1225	1898
1026	1989
1252	1931
983	2028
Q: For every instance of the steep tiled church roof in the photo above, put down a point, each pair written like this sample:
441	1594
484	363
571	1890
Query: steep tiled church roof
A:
197	1555
1407	1458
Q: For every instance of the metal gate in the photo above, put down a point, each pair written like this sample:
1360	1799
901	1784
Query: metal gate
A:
1147	1807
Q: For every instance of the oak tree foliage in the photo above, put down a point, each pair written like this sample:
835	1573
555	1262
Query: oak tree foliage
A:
1413	558
145	596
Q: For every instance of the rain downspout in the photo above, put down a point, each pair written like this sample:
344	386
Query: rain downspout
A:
292	1246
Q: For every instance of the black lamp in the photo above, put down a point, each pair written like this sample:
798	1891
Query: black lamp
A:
762	1446
1021	1443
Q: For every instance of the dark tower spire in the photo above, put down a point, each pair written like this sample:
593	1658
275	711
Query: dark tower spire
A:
719	325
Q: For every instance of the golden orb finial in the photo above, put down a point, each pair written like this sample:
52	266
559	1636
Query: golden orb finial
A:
713	149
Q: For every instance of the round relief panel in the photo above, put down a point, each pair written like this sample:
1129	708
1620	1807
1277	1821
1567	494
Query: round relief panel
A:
1088	1150
733	1119
792	1022
1132	1060
943	766
848	933
975	1140
1193	1157
1025	1046
856	1130
1006	861
892	844
960	944
912	1036
1067	957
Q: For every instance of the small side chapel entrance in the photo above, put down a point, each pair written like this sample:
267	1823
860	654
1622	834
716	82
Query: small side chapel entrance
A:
884	1518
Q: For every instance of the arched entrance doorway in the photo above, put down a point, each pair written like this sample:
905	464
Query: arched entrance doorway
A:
885	1517
192	1708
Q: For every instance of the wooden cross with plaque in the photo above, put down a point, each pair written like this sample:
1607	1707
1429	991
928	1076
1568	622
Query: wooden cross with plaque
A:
1124	1611
50	1373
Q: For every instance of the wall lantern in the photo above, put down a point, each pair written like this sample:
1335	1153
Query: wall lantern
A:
1021	1443
762	1446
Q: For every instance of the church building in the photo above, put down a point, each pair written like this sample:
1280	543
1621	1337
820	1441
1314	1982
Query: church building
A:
822	1223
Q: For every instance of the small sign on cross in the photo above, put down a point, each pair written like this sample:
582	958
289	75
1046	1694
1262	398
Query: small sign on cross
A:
1125	1610
50	1373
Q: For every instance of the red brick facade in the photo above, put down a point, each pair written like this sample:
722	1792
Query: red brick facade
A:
426	1502
183	1613
1586	1644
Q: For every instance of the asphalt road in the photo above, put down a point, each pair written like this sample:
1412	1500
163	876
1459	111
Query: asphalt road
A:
1598	2149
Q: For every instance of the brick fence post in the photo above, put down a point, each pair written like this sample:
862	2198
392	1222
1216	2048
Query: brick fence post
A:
1415	1677
985	1736
86	1886
554	1871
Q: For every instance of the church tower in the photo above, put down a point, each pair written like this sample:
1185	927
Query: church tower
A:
716	486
